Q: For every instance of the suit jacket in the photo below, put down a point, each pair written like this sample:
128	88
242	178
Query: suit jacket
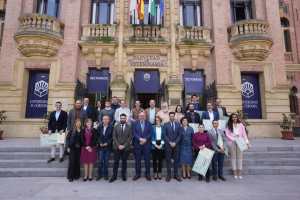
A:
89	110
199	107
71	117
153	138
224	111
60	124
137	134
122	139
205	115
214	140
242	133
169	136
107	138
94	138
197	118
147	112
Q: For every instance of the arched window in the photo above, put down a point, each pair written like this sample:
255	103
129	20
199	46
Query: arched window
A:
294	101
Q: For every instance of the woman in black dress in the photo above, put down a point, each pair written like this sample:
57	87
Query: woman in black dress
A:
73	145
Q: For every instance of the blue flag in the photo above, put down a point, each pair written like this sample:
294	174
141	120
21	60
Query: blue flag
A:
161	5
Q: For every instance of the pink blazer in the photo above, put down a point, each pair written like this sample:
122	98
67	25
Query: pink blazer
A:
229	134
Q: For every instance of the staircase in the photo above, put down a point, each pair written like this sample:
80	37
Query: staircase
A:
277	159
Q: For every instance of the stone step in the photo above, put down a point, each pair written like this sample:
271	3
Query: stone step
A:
36	163
62	172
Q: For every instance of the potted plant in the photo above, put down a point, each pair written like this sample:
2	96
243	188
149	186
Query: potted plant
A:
286	127
44	128
243	118
2	118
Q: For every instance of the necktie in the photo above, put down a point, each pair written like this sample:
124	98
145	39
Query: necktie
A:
172	127
217	135
122	128
143	127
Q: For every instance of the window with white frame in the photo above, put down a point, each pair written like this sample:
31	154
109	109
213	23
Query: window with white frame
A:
240	10
158	19
102	11
190	13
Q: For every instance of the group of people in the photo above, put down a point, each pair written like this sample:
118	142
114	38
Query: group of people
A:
94	132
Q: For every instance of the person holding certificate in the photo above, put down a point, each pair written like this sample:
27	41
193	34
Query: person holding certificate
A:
234	130
202	140
73	145
157	147
89	149
186	147
121	110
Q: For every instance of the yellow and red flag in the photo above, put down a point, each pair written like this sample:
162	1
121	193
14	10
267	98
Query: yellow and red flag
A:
141	9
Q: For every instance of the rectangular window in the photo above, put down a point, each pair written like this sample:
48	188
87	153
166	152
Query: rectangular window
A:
156	20
285	9
240	10
49	7
280	4
190	13
286	36
102	12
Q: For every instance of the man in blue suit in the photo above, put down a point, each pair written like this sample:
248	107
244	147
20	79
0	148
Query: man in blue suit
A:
210	114
88	108
142	133
172	138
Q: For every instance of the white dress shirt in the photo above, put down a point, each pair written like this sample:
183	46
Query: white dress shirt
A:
57	115
84	107
211	115
158	135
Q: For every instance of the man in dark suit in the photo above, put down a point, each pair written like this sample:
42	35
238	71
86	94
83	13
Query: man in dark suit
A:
151	112
209	113
105	132
122	137
142	133
88	108
219	109
77	113
172	139
192	116
57	123
197	105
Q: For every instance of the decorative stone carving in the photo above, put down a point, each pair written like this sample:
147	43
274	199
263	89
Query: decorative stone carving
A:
249	39
39	35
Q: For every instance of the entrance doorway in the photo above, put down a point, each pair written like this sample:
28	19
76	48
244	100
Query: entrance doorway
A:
145	99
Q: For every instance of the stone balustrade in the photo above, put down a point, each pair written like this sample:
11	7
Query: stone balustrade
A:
39	34
92	31
199	34
249	39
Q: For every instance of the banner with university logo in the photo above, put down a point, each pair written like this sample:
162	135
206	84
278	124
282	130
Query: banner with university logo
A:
194	82
98	81
37	101
146	81
251	96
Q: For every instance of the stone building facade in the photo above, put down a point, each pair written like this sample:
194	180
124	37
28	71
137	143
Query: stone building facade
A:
228	49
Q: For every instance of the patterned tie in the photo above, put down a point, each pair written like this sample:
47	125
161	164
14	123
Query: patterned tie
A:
122	128
143	127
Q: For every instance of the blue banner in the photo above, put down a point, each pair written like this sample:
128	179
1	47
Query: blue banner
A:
37	101
98	81
162	7
194	82
146	81
251	96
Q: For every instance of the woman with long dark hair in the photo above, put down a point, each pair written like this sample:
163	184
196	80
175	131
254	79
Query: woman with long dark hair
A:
178	113
235	129
96	112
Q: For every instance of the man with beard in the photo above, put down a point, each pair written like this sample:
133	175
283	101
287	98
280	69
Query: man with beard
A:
197	105
77	113
210	114
164	113
192	116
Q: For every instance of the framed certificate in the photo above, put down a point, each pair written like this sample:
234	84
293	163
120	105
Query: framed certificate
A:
203	161
48	140
194	126
241	143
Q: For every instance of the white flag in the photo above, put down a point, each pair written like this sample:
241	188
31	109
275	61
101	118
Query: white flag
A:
149	6
133	6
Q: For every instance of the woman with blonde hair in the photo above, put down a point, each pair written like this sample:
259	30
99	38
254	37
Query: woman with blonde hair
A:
89	148
73	145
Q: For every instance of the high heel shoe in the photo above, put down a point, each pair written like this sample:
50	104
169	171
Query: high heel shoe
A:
235	177
85	179
155	178
90	179
240	177
159	177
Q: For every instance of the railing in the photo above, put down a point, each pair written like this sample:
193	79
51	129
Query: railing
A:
194	32
99	30
41	22
247	28
145	30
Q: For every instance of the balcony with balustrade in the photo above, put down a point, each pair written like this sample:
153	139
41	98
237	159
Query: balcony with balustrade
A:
249	39
39	35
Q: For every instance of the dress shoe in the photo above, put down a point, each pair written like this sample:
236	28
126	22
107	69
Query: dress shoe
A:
184	177
240	177
148	178
70	180
112	179
61	160
98	177
50	160
235	177
106	177
136	177
200	178
90	179
208	180
189	177
124	178
222	177
215	177
84	180
168	178
177	178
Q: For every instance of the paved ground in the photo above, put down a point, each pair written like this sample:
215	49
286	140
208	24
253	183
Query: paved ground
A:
249	188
